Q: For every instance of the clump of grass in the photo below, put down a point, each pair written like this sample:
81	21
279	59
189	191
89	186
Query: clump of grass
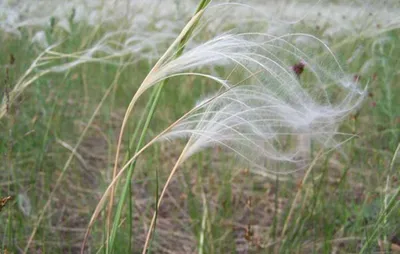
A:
272	118
274	100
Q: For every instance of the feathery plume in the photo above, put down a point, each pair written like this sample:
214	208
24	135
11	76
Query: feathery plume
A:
261	118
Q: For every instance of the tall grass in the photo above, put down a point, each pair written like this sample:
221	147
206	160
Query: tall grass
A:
224	83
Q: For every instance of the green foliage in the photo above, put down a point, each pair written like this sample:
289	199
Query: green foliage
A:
342	206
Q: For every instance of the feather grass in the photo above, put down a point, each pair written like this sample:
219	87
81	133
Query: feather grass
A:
264	106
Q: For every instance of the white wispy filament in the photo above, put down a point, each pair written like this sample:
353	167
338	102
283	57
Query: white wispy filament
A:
261	118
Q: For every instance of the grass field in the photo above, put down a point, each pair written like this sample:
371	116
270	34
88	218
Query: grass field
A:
313	167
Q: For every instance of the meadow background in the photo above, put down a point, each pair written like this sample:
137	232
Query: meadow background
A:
69	72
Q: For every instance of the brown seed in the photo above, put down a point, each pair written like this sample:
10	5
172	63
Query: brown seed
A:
298	68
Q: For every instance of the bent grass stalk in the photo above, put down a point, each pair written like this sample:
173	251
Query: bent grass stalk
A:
129	189
112	184
180	42
153	104
22	83
147	82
